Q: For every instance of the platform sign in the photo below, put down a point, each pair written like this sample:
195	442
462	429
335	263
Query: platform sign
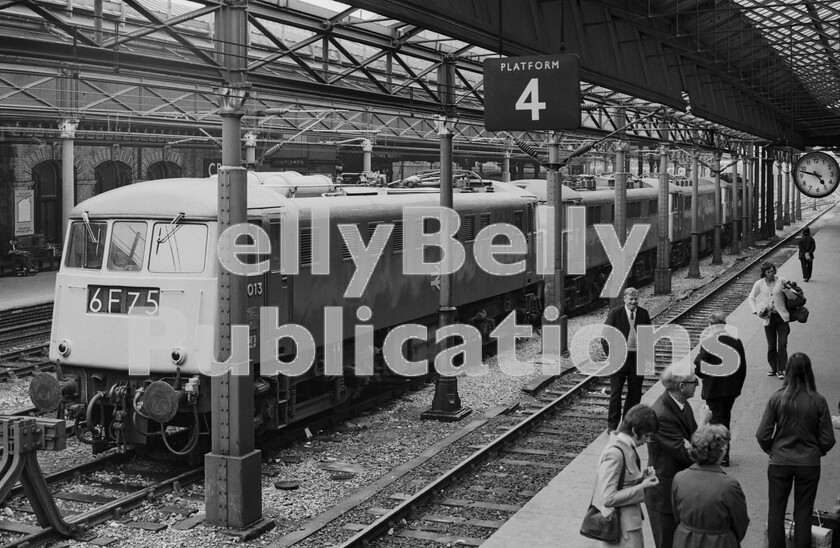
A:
534	92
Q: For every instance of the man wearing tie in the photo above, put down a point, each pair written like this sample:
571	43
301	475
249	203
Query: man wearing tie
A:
626	319
668	449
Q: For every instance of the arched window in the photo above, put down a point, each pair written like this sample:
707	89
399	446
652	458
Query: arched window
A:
47	179
163	170
112	174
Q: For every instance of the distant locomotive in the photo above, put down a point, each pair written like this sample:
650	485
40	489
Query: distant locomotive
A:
147	247
642	208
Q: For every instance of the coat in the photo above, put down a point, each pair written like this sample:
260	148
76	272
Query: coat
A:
617	317
710	508
801	441
629	499
807	245
721	386
666	450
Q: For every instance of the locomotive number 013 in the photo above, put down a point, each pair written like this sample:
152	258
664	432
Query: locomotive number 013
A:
107	299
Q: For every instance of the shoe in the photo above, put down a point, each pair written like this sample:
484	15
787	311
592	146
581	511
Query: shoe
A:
807	279
771	373
781	374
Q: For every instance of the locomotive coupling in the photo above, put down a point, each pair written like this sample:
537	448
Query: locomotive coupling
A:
47	392
158	401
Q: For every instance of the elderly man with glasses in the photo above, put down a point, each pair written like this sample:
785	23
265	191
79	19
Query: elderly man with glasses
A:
668	450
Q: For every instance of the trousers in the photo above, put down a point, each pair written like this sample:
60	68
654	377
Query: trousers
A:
780	479
627	374
777	335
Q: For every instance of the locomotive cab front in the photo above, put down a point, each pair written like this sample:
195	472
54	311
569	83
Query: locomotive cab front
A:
130	292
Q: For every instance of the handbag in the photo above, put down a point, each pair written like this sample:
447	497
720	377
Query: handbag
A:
596	525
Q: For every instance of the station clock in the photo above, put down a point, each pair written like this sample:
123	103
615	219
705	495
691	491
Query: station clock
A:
816	174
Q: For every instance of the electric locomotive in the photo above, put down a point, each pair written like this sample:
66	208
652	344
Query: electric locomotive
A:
139	275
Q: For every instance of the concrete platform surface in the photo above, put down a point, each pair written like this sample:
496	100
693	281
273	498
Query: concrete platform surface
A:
552	518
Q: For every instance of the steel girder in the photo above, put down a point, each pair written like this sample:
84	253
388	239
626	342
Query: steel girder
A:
311	71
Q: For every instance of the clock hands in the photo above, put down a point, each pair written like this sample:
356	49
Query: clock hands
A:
814	173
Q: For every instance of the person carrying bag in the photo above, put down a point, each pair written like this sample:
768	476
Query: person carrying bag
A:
621	483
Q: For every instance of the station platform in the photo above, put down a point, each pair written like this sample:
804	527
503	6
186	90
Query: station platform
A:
23	291
553	517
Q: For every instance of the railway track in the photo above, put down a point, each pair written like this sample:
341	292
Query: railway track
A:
25	326
493	475
122	482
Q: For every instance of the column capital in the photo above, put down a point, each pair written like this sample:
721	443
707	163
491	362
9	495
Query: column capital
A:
68	127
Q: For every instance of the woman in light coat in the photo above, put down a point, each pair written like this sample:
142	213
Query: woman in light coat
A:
635	430
710	507
767	301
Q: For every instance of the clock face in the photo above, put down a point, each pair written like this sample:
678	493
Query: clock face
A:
816	174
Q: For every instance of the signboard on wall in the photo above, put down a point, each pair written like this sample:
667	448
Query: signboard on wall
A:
24	212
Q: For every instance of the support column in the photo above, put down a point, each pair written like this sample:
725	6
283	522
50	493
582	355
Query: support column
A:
745	205
780	219
769	213
620	221
662	274
506	166
68	172
251	151
798	203
367	151
694	262
446	405
232	491
751	167
717	257
787	186
556	290
735	248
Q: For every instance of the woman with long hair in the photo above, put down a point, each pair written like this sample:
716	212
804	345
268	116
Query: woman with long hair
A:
796	432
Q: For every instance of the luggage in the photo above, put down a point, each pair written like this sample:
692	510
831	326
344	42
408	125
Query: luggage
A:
831	521
794	296
821	537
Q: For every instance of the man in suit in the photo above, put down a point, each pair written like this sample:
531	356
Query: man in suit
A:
626	319
668	449
720	388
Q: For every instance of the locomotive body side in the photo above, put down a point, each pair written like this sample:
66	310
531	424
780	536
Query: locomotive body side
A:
141	264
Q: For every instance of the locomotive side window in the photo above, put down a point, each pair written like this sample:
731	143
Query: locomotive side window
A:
128	245
86	246
653	207
178	248
593	215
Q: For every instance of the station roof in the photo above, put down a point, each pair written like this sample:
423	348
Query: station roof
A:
715	73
